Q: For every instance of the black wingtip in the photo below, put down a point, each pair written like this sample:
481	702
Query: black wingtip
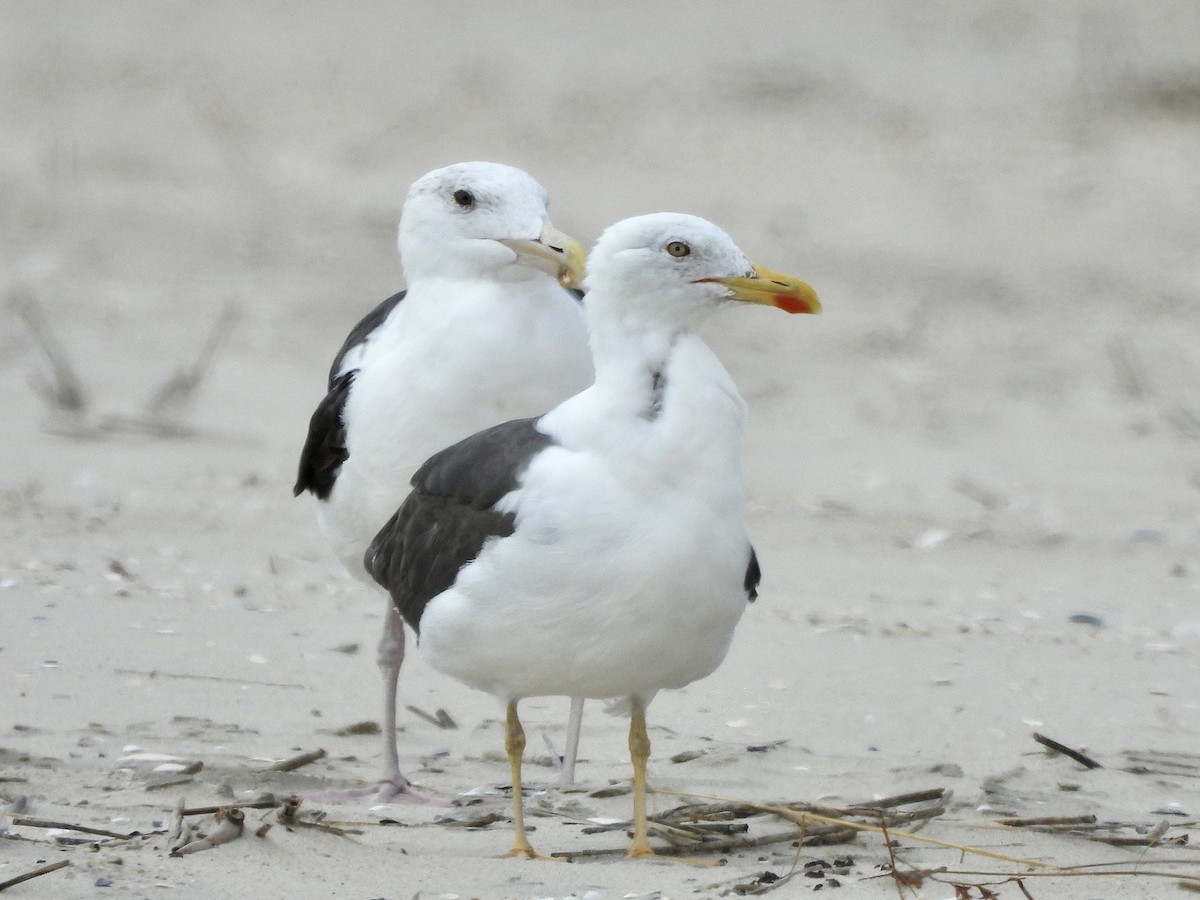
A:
753	577
325	447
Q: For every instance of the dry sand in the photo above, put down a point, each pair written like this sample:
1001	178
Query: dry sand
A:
994	428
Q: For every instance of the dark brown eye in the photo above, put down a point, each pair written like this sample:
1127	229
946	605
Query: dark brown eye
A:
678	249
465	199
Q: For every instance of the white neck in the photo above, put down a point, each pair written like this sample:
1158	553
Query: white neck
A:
660	397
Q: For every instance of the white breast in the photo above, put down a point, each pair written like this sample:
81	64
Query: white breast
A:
450	360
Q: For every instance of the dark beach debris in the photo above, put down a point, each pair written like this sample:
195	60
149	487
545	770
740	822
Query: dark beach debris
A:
769	745
1154	762
34	873
613	790
1058	747
285	812
61	389
174	397
33	822
1087	827
117	569
688	755
264	803
295	762
472	822
291	817
685	835
1048	823
761	884
695	828
162	782
820	871
440	718
188	676
230	823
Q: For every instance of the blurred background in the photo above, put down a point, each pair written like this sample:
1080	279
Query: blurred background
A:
998	202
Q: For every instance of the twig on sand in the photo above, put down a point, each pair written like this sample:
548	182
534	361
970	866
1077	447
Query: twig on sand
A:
1054	745
34	873
440	717
290	816
295	762
62	391
1048	822
172	398
212	810
31	822
155	673
1154	762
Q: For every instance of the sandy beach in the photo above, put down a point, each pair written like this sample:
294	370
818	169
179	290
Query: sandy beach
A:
974	480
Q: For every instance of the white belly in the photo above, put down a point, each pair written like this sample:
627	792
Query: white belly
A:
599	599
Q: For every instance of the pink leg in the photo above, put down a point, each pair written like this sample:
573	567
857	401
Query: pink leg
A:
567	777
392	786
390	657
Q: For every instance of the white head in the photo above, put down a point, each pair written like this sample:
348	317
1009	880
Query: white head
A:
674	270
482	218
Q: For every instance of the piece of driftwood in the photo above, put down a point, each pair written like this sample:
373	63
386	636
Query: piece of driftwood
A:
31	822
295	762
34	873
212	810
230	824
1081	758
440	717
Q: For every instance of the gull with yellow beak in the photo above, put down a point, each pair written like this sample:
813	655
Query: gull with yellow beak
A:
486	331
599	550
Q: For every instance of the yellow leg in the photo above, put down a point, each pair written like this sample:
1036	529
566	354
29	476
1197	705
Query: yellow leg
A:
639	752
514	746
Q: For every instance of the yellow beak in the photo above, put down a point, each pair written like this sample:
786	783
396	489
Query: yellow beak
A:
554	253
772	288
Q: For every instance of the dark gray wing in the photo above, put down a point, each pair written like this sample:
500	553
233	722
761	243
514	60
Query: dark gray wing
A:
753	577
362	331
449	515
325	446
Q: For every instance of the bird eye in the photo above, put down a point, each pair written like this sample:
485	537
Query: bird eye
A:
465	199
678	249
